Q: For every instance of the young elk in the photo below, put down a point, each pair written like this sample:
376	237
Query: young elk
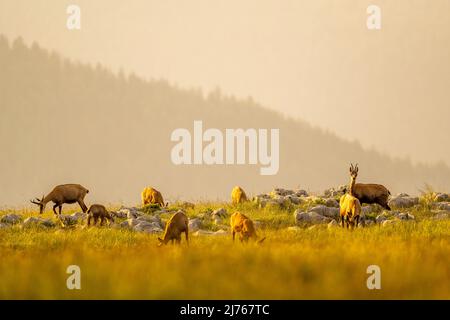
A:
350	206
238	195
370	193
66	193
152	196
176	225
96	212
244	226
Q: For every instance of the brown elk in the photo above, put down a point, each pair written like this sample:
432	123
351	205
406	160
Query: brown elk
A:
66	193
244	226
369	192
98	211
176	225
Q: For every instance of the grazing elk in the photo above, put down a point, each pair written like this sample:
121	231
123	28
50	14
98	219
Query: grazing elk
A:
176	225
98	211
244	226
152	196
65	193
350	206
238	195
370	193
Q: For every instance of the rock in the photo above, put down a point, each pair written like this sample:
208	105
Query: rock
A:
442	206
150	219
402	195
148	227
67	219
329	212
281	192
219	213
404	216
3	226
294	199
309	217
381	218
132	222
194	224
78	216
31	221
403	202
221	232
11	218
442	197
301	193
331	202
217	220
131	213
117	214
332	224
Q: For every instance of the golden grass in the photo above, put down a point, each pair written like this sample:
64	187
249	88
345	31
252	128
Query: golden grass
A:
303	264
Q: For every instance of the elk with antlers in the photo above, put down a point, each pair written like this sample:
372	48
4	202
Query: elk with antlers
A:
370	192
66	193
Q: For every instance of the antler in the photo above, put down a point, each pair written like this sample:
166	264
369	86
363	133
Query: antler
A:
36	201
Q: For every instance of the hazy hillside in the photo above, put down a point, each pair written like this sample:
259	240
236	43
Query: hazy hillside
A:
65	122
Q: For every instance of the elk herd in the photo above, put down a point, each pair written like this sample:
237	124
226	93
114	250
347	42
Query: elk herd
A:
350	208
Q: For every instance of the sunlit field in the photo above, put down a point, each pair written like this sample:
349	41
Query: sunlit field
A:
292	263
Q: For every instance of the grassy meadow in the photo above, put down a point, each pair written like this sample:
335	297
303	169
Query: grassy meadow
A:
296	263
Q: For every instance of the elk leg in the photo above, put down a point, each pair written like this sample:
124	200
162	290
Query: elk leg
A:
342	221
54	209
95	221
60	209
89	220
102	221
357	221
187	237
234	233
82	205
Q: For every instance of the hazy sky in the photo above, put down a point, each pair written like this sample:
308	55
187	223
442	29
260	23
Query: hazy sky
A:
315	60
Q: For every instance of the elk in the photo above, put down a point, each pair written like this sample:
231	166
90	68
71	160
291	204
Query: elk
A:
176	225
244	226
350	206
238	195
65	193
98	211
370	193
152	196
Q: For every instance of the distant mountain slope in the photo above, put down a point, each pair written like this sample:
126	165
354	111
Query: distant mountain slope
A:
66	122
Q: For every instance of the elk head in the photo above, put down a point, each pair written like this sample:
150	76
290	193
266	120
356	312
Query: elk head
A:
353	170
40	203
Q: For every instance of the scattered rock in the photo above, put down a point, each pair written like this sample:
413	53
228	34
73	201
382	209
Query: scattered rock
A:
131	213
404	216
132	222
35	221
442	206
301	193
11	218
219	213
309	217
148	227
79	216
442	197
403	202
334	192
329	212
331	202
194	224
381	218
118	214
3	226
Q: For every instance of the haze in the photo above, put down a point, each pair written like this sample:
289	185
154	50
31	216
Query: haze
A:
314	60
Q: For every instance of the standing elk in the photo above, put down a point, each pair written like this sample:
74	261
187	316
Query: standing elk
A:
65	193
350	206
371	193
176	225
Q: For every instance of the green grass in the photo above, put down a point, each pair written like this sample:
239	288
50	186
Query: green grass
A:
304	264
